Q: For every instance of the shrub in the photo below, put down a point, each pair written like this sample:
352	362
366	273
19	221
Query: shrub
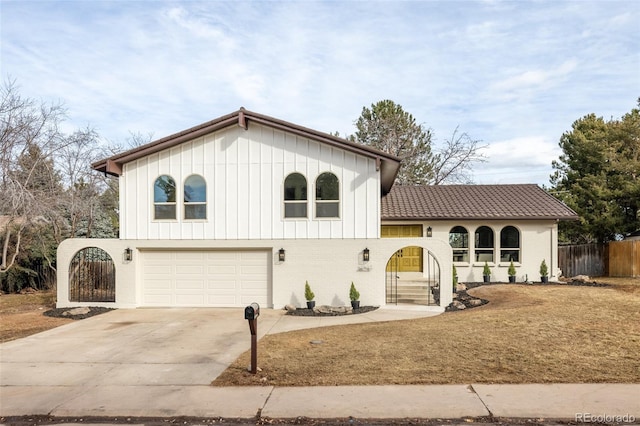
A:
353	293
544	270
308	294
486	270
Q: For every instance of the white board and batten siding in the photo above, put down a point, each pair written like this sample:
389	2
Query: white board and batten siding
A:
245	171
205	278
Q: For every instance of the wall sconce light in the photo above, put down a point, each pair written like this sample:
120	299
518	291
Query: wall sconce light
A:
429	232
281	255
128	254
365	255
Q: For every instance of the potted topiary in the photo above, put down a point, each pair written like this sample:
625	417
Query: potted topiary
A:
544	272
308	294
512	273
354	295
486	273
455	278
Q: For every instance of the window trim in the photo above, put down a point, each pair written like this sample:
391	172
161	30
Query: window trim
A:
479	250
164	203
466	249
316	201
186	203
292	202
518	249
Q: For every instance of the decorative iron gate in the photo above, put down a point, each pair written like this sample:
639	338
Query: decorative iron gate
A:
423	290
92	276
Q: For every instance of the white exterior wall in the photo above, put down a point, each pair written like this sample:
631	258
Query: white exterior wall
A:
538	241
245	171
328	265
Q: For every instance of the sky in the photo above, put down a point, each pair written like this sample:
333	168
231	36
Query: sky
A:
512	74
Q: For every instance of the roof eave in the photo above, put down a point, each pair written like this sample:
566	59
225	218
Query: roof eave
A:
423	218
388	164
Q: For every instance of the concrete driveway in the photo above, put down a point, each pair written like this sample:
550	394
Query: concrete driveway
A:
133	356
133	347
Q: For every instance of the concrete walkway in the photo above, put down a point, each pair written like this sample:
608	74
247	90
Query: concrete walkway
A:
159	363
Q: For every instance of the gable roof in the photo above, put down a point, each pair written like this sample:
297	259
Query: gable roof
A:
440	202
387	164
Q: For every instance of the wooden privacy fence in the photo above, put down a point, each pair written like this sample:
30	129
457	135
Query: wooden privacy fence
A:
624	258
615	259
583	259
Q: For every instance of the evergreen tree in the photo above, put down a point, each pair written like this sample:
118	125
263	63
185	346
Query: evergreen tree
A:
598	176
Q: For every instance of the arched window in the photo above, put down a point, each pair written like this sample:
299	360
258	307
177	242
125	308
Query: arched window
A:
327	195
484	244
164	198
459	241
195	197
295	196
509	244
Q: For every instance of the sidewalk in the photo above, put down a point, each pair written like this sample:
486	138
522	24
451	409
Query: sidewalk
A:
553	401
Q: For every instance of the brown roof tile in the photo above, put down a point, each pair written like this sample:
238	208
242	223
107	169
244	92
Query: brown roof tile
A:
524	201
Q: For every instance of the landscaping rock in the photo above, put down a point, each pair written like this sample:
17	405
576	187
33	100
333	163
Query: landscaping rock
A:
77	311
475	302
461	287
326	309
305	312
581	278
459	305
289	308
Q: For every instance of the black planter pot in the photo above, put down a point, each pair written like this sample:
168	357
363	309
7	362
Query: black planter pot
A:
311	304
486	278
545	280
512	279
355	304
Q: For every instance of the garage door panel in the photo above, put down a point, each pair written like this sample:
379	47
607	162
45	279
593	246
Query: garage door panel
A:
189	300
189	284
252	270
205	278
158	269
158	300
230	284
154	284
252	285
221	269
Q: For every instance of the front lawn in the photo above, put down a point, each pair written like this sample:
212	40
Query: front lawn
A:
21	315
526	334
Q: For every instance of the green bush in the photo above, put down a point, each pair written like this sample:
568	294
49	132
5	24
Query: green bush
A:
353	293
486	270
544	270
308	294
512	270
455	275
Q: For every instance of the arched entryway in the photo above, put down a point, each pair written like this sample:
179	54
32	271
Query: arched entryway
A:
413	277
92	276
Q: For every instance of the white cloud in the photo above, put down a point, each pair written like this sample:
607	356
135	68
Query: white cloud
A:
515	75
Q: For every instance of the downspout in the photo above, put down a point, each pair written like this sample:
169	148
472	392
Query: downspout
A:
553	271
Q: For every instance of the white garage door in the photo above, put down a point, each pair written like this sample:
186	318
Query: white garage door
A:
205	278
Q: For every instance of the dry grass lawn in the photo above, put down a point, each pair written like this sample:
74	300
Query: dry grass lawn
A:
526	334
22	314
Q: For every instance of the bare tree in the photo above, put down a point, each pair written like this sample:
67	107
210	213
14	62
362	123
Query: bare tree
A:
29	139
386	126
453	162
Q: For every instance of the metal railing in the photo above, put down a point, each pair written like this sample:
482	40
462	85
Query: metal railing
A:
92	276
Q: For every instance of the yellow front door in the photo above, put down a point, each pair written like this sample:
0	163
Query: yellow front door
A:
409	259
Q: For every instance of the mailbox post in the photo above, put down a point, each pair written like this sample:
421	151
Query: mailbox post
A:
251	314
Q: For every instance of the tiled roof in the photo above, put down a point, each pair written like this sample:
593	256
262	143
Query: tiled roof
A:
441	202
